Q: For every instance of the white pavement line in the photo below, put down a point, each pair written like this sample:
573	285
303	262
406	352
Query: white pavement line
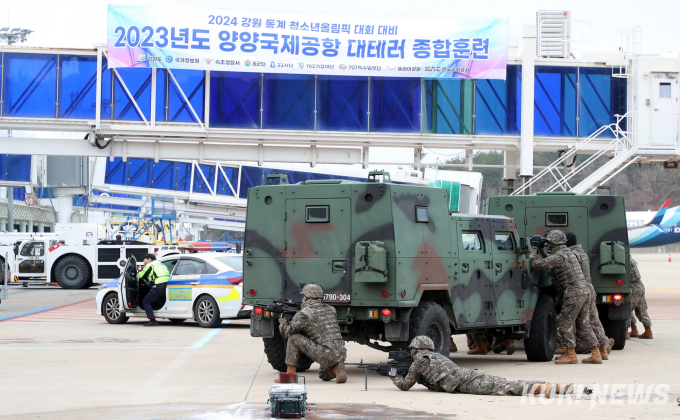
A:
135	397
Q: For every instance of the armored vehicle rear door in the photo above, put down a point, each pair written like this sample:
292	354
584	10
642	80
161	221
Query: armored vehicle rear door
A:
317	247
507	277
475	271
566	219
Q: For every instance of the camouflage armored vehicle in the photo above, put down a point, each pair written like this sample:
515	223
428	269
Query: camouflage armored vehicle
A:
599	223
393	261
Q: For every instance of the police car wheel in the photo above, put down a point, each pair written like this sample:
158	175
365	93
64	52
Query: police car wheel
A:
111	310
207	313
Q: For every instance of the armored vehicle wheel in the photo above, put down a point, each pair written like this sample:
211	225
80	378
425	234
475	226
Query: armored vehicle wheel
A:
275	349
430	319
617	330
73	272
540	345
111	310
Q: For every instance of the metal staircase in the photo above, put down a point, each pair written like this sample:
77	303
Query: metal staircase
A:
156	216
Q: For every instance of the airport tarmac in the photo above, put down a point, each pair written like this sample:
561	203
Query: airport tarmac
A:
58	360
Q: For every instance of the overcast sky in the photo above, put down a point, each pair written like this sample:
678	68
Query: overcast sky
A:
82	23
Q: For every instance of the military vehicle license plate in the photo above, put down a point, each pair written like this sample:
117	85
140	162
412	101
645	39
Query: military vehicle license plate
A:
336	297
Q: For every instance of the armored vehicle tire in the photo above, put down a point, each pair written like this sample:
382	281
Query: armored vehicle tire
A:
275	349
430	319
207	313
111	310
540	345
617	330
73	272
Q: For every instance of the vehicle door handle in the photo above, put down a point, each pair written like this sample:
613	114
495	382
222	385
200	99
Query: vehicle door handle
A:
465	268
195	283
339	267
499	267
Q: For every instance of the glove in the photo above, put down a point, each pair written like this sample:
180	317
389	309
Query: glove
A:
282	320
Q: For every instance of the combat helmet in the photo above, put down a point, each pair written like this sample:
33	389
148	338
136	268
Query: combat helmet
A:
422	342
312	291
556	237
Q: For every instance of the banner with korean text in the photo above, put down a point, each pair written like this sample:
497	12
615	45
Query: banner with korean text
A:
300	43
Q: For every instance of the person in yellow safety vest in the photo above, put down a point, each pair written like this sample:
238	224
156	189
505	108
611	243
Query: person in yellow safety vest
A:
157	274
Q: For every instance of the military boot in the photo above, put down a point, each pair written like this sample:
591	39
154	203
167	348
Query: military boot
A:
508	345
561	389
480	349
452	347
603	352
562	349
340	374
634	331
569	358
289	369
610	344
648	333
595	357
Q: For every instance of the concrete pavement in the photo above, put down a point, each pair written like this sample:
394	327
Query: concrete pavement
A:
68	364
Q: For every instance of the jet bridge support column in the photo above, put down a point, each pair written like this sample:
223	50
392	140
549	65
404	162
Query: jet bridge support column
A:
527	124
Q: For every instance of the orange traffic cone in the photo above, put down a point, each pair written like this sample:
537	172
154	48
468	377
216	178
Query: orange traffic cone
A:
669	258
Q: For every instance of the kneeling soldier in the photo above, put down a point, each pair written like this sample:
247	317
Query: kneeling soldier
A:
439	373
314	331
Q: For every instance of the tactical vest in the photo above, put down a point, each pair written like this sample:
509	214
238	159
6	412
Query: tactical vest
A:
438	369
584	261
322	325
570	275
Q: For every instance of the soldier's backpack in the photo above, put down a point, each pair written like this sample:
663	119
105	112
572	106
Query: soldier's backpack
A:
612	257
370	262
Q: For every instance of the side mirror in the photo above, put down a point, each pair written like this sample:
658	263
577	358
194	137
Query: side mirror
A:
524	246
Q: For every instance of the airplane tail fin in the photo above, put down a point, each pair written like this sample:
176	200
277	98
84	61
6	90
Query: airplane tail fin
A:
659	215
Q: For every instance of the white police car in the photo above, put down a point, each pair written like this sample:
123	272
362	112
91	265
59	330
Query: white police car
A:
204	287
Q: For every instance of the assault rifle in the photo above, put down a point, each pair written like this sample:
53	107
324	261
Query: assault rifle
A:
399	364
284	306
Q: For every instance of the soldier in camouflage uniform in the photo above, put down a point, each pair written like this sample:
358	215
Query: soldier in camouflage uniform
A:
478	343
314	331
439	373
566	273
638	304
595	323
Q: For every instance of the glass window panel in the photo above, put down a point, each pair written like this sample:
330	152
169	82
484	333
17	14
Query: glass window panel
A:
18	168
664	90
342	103
222	185
235	99
77	86
422	215
318	214
602	96
448	106
163	175
395	104
504	242
472	241
288	101
30	85
498	104
200	186
556	219
555	101
173	107
139	174
183	176
116	102
189	267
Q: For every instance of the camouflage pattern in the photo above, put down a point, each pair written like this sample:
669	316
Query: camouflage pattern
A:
595	322
421	342
314	331
482	286
592	218
638	304
312	291
439	373
566	273
556	237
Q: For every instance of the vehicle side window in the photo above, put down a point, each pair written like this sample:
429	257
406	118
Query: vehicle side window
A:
33	249
209	269
472	241
170	264
504	242
189	267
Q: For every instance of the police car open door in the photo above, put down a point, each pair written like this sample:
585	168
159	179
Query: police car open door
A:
130	284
